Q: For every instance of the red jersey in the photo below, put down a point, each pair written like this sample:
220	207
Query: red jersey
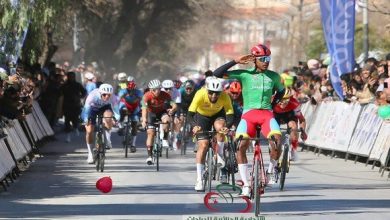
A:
156	104
293	105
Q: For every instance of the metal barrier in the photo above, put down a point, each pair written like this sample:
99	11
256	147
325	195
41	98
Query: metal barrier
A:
349	128
18	141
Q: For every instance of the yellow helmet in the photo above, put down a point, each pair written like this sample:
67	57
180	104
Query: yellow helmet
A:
287	80
287	93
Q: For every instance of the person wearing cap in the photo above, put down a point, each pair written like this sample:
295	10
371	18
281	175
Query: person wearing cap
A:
90	85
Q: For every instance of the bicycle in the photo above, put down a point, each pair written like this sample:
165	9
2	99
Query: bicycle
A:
157	146
230	158
128	137
284	160
258	174
183	137
100	144
211	171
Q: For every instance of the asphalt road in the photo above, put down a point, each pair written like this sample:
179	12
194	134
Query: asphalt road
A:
61	185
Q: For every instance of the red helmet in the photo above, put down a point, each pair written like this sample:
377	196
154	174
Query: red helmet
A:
104	184
177	83
131	85
260	50
235	87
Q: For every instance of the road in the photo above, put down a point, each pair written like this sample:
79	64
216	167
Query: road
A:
61	185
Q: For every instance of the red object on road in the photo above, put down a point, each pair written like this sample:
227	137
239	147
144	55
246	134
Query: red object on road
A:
104	184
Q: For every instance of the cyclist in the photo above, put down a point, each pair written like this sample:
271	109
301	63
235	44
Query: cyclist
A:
168	86
187	92
288	110
130	100
258	86
156	105
122	84
235	94
210	107
100	101
177	83
90	85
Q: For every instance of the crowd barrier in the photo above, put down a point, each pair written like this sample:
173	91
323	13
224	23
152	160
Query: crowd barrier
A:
18	139
349	128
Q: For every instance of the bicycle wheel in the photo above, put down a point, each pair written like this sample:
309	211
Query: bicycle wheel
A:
210	168
98	147
166	152
284	167
256	187
126	140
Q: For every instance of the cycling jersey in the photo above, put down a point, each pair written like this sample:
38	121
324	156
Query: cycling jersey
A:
186	99
175	95
201	104
94	103
156	104
130	99
257	88
293	105
90	86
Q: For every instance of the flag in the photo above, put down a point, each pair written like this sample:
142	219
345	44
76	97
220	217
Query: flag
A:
338	21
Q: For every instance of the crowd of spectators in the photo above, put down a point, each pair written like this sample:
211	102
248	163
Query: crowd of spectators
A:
368	83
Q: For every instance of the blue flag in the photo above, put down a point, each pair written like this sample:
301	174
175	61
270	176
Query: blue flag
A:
338	21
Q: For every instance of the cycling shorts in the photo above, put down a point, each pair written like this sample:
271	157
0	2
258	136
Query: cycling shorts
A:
262	117
154	117
206	123
285	117
98	111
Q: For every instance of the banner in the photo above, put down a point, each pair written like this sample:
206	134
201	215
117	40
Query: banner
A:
338	22
382	144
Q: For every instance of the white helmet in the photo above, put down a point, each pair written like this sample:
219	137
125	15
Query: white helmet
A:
154	84
122	76
105	88
167	83
183	79
214	84
130	79
89	75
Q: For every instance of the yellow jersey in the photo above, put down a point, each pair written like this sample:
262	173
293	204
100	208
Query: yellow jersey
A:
201	104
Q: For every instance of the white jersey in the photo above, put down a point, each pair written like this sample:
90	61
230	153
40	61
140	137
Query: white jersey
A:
94	101
175	95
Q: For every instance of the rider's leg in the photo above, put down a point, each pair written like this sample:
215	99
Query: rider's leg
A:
270	128
177	124
134	124
89	128
242	161
219	123
200	158
108	124
292	125
165	119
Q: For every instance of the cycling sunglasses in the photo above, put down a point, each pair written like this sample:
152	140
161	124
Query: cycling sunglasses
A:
264	59
106	94
214	92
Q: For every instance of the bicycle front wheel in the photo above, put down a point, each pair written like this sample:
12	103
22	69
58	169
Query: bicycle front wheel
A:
126	141
284	167
256	187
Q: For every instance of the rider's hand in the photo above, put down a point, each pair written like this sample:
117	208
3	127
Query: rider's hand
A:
143	123
245	59
224	130
196	129
170	112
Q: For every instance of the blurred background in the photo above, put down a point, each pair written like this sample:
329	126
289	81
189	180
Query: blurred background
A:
150	38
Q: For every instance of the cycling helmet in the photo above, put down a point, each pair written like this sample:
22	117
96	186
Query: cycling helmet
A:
105	89
260	50
122	76
167	83
189	84
131	85
287	94
130	79
154	84
89	75
214	84
183	79
177	83
235	87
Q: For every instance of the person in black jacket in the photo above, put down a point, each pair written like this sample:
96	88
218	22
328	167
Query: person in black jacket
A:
73	92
